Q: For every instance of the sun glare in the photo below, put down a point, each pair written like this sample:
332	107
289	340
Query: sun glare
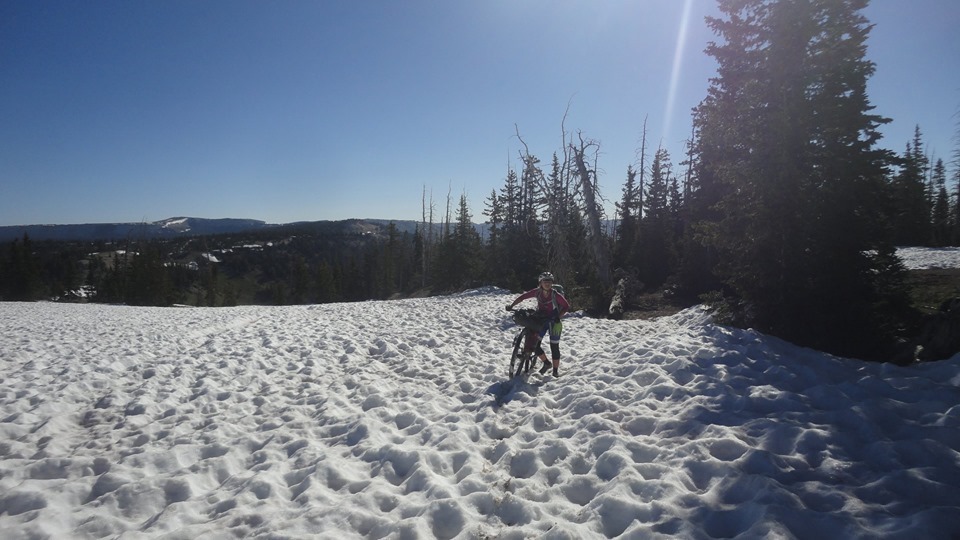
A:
677	64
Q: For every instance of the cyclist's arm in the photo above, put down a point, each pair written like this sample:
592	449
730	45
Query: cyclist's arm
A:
522	297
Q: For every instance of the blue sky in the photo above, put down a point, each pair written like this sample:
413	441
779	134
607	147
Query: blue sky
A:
310	110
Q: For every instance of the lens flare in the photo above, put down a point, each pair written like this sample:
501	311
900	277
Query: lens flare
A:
677	64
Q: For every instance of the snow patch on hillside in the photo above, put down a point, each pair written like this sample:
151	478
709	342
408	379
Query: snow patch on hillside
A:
915	258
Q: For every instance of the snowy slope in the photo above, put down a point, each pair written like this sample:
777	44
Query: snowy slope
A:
379	420
917	258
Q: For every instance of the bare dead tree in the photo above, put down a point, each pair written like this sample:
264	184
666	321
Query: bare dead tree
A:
591	199
577	179
446	220
427	234
643	169
569	178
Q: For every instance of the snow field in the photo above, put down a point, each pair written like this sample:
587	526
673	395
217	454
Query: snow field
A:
380	420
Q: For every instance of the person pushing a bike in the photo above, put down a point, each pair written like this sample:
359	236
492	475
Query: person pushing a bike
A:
552	306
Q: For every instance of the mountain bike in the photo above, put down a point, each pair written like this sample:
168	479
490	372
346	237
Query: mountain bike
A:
529	322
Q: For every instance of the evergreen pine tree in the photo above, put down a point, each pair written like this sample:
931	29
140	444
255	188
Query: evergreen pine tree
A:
555	210
956	206
787	153
325	286
911	196
627	250
955	212
696	268
628	213
657	223
20	272
148	283
301	281
495	260
468	243
522	239
941	207
390	262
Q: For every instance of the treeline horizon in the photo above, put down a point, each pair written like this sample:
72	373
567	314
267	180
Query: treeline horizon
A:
783	214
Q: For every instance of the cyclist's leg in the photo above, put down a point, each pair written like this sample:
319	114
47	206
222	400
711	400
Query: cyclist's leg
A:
556	329
541	354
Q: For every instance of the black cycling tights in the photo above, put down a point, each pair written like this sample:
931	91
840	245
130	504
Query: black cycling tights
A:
554	351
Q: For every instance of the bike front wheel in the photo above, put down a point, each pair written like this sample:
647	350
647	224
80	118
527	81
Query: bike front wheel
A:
517	355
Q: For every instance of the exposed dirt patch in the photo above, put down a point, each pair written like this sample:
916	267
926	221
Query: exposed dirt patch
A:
653	305
929	288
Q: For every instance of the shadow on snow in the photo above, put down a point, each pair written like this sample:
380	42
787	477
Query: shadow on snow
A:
504	392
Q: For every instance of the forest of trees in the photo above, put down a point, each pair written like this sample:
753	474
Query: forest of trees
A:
783	212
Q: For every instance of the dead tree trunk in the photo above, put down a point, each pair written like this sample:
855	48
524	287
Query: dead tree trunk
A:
598	244
626	288
426	239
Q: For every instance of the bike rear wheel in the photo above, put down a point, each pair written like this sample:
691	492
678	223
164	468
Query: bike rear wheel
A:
518	356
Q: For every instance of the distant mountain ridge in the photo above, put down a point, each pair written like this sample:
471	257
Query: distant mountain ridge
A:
177	227
166	228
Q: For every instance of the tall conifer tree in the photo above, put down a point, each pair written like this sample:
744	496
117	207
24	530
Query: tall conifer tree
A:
911	196
787	155
628	211
940	226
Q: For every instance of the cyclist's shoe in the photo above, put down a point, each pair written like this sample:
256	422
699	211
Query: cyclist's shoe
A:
545	367
556	372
